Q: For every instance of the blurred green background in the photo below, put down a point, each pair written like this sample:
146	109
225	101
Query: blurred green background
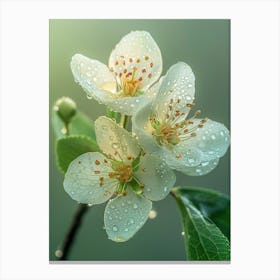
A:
205	46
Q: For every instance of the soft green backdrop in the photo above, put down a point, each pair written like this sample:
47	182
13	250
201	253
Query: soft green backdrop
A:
205	46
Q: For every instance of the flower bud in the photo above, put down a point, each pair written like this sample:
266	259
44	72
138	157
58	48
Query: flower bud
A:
66	108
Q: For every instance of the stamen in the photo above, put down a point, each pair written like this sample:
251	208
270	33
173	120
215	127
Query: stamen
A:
97	162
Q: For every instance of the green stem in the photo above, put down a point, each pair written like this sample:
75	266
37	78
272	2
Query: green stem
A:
67	131
64	249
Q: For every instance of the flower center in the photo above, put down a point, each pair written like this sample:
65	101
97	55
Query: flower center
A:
131	72
166	134
122	172
129	84
173	129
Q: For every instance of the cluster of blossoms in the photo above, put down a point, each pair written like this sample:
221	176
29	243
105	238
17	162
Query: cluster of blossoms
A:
138	169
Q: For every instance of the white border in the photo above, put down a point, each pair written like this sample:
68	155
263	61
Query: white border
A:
255	138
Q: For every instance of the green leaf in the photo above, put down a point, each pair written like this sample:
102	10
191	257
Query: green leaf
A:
203	239
212	204
68	148
79	125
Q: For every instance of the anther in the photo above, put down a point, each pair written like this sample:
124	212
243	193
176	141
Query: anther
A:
198	112
193	134
97	162
116	62
142	186
138	60
96	171
124	193
151	64
150	76
146	57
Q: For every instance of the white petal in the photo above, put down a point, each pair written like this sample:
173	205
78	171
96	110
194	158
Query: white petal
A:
157	177
178	85
152	92
141	127
180	155
212	140
125	215
114	140
137	49
127	105
202	169
94	77
83	177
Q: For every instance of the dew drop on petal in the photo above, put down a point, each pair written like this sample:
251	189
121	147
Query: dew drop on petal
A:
89	96
115	228
115	145
135	206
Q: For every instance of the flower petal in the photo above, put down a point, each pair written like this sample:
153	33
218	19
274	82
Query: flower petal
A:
114	140
140	126
125	215
176	91
94	77
127	105
202	169
137	50
212	140
157	177
180	155
84	176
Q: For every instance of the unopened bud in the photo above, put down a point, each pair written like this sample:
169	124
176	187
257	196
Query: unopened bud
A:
66	109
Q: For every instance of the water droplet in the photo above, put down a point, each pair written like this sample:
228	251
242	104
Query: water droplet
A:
90	204
152	214
148	189
165	189
213	137
89	96
72	192
189	85
128	202
135	206
126	229
131	221
115	145
112	207
182	233
115	228
63	130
